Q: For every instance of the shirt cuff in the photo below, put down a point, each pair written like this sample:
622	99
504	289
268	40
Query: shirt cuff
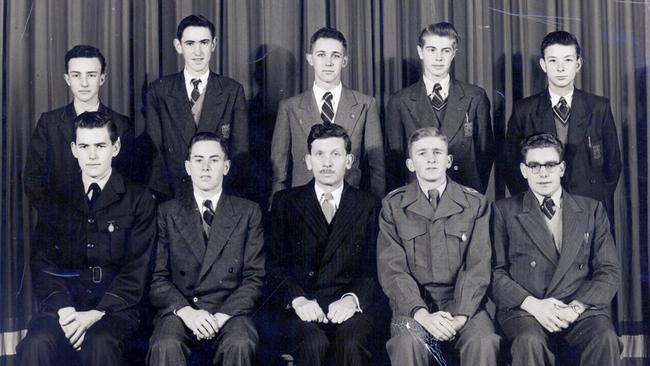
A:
356	301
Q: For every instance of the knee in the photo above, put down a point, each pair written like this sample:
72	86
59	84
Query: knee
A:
100	339
316	342
164	344
241	345
353	343
485	342
36	342
529	341
607	340
406	343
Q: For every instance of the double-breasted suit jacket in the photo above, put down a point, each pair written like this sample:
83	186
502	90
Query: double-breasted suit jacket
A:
592	153
527	263
356	112
170	127
224	274
467	124
50	164
321	261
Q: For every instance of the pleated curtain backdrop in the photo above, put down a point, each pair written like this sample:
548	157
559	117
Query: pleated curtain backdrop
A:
261	43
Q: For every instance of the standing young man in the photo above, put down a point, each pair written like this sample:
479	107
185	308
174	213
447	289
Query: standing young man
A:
90	257
209	267
324	235
193	100
556	268
461	111
433	259
49	164
328	101
583	122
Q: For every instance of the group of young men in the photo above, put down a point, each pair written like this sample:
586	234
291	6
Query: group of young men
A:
435	246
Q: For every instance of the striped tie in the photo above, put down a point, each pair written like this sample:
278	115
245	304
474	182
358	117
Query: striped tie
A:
327	114
195	92
436	98
562	111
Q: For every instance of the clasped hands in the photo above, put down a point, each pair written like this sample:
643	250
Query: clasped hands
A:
338	311
202	323
75	324
441	325
553	314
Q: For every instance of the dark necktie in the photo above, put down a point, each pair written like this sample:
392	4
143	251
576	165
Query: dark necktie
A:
434	196
548	207
328	207
195	92
562	111
208	213
93	194
437	101
327	113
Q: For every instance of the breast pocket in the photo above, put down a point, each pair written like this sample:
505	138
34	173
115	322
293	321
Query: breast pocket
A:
458	235
415	239
117	229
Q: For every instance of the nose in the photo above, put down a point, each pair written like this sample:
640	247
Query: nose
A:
197	50
433	158
93	153
329	60
560	66
205	165
438	56
84	81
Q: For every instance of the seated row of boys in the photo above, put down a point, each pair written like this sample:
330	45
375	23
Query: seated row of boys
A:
554	265
198	100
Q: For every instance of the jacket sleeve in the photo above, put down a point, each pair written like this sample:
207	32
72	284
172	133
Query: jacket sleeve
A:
244	299
511	159
36	166
158	180
374	146
400	287
612	152
281	150
395	145
484	140
127	288
239	149
474	276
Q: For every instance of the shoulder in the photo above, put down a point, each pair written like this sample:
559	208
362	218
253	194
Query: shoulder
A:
293	101
243	205
592	100
394	197
365	199
360	97
405	92
227	83
164	82
530	101
511	204
471	89
586	203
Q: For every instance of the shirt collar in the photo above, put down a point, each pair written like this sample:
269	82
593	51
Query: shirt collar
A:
444	83
557	198
555	99
188	82
199	200
320	92
101	182
81	107
337	193
440	188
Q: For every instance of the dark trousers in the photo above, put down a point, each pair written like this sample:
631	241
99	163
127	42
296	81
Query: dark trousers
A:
594	337
477	342
46	343
172	343
345	344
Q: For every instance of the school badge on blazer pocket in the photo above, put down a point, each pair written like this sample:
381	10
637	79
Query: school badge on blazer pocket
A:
468	126
225	131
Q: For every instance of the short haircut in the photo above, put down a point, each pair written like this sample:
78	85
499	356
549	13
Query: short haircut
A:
562	38
194	21
540	141
327	32
95	120
442	29
423	132
84	51
327	130
207	136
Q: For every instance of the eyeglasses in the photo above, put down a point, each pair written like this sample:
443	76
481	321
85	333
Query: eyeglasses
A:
537	167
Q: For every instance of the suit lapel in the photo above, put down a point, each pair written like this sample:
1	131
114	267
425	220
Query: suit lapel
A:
420	107
307	111
451	202
180	110
578	119
308	208
574	225
213	105
188	221
348	111
66	125
344	218
111	193
225	220
456	113
544	120
533	223
416	202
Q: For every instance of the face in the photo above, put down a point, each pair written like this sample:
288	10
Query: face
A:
429	160
547	180
94	151
196	46
207	166
328	59
329	161
84	78
436	54
561	64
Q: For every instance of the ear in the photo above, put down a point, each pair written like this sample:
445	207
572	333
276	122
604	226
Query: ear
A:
562	169
524	171
410	165
226	167
308	161
102	79
450	160
177	46
187	167
579	64
310	59
345	62
542	64
73	148
349	160
214	44
66	77
116	147
420	53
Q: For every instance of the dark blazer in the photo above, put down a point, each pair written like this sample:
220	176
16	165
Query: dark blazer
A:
321	261
50	164
223	275
526	262
170	127
115	237
592	154
434	259
356	112
467	125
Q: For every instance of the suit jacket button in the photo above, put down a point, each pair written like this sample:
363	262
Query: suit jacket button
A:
230	270
311	274
592	181
581	266
170	149
91	220
533	264
195	300
456	167
90	245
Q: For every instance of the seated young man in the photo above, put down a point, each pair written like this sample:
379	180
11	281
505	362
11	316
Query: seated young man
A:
90	257
433	255
555	268
324	235
209	266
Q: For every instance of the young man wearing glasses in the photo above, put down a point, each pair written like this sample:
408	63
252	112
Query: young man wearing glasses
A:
555	265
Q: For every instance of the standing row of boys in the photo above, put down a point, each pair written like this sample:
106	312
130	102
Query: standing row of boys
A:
435	245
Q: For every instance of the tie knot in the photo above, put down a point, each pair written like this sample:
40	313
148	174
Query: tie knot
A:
208	204
94	188
562	101
328	197
433	193
437	87
548	202
196	83
328	96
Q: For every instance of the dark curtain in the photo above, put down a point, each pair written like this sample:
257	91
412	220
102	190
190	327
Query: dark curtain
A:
262	45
